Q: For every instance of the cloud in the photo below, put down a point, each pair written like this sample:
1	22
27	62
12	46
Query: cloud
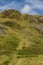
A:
28	9
32	7
24	6
12	5
35	3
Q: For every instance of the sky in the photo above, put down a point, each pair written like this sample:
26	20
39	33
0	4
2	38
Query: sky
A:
24	6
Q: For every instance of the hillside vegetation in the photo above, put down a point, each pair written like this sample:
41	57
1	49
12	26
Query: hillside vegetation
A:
21	38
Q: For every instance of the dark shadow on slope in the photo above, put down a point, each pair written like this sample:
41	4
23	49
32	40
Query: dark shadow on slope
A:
3	30
13	24
33	51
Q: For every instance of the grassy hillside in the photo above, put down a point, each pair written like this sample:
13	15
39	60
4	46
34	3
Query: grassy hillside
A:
21	38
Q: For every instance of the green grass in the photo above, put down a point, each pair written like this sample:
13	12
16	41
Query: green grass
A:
21	38
5	63
9	44
35	49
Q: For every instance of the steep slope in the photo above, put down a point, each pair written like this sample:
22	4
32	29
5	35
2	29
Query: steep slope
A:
21	38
